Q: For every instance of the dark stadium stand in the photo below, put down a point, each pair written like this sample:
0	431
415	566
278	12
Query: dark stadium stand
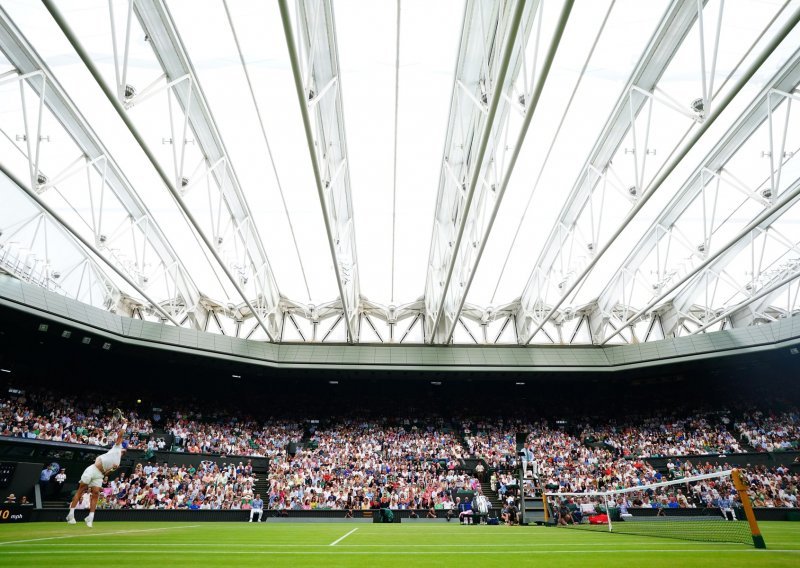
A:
585	431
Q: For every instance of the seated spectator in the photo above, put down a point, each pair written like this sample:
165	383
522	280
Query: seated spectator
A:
564	514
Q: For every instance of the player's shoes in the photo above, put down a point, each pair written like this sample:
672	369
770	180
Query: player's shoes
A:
88	523
71	520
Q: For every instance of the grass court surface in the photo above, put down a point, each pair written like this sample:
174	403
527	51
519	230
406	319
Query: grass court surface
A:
120	544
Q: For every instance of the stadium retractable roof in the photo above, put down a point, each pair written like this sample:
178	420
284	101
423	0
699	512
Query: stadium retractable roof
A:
462	171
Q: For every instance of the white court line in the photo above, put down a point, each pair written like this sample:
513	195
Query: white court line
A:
340	539
455	545
226	552
96	534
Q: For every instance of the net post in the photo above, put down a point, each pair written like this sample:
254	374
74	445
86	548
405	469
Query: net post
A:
741	489
546	508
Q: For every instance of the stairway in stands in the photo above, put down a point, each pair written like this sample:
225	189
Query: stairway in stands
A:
261	486
489	493
58	501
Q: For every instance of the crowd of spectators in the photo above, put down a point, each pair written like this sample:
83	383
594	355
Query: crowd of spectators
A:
229	436
661	435
563	462
208	486
771	432
356	464
494	442
45	416
397	463
773	487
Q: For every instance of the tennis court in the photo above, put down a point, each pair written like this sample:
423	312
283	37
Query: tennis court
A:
362	544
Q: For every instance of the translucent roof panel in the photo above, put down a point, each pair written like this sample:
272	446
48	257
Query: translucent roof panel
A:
259	31
555	151
428	49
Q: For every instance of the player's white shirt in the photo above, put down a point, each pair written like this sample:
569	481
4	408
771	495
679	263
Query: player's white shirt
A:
110	460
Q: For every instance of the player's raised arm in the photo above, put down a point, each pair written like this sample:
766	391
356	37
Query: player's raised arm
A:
121	433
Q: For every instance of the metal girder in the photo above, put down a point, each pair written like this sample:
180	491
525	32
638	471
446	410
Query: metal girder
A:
267	296
37	75
672	30
709	258
25	254
88	245
706	276
660	240
318	84
156	21
480	218
757	306
489	59
706	281
787	199
395	322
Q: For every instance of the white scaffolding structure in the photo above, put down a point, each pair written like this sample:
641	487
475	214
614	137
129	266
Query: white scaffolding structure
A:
610	173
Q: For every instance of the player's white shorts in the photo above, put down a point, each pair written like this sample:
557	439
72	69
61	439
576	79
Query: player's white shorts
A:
92	476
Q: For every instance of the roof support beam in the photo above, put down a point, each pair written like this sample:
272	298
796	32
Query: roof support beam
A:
156	21
318	88
25	247
785	80
657	243
205	131
468	264
37	75
488	51
763	219
746	313
535	308
86	243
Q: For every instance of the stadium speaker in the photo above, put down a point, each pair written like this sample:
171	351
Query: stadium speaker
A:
521	437
291	448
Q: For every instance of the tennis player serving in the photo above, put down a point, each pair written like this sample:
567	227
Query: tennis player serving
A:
92	478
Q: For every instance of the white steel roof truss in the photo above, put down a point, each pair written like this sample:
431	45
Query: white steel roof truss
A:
318	84
199	157
480	218
697	195
631	114
489	62
135	243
